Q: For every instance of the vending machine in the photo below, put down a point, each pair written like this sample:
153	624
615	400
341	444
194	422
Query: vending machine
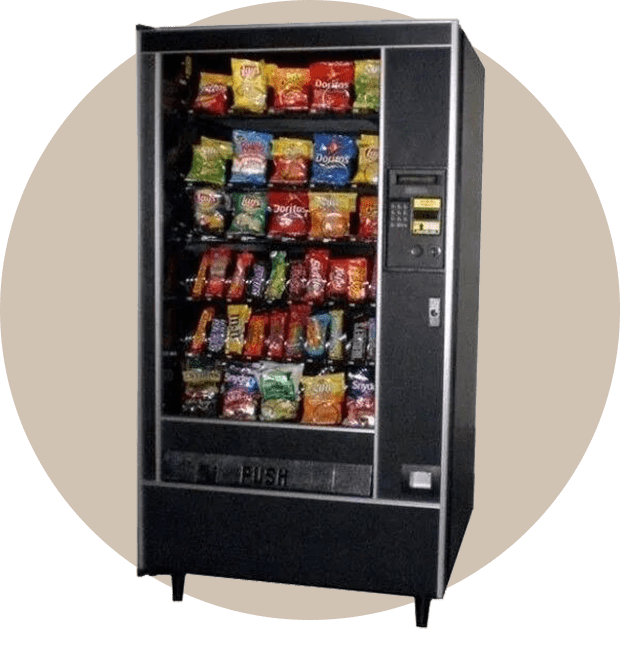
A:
309	264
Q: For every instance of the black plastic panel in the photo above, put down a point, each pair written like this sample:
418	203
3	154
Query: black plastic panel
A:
417	108
294	36
359	546
410	391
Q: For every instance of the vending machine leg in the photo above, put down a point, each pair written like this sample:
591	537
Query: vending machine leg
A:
178	581
421	606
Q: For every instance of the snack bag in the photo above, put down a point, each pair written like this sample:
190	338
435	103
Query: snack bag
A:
316	335
296	288
317	266
199	339
359	337
337	279
237	286
198	287
249	211
255	339
213	93
291	160
323	399
278	276
209	161
241	393
371	340
373	284
217	336
238	316
360	401
367	212
219	259
291	89
251	151
280	390
294	344
258	281
332	86
209	210
357	279
289	214
368	160
201	379
336	342
275	343
367	85
249	85
331	214
333	158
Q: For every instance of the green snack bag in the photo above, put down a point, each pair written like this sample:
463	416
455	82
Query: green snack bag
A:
278	276
209	161
249	211
367	85
280	390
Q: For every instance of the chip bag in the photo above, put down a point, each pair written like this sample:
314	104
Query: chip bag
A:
367	85
251	151
213	93
291	160
291	89
241	392
209	210
201	379
317	334
323	399
294	344
280	390
317	268
209	161
333	158
278	276
237	285
275	343
368	160
330	214
289	217
249	211
367	213
360	401
332	86
249	85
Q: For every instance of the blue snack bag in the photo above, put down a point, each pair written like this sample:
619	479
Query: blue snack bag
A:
333	159
251	151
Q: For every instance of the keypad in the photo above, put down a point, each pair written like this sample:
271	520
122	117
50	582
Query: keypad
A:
400	213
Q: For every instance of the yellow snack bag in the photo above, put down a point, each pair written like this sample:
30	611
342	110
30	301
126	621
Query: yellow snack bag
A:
238	316
323	399
249	85
368	160
330	214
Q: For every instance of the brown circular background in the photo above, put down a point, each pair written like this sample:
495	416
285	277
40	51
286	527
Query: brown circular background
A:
549	321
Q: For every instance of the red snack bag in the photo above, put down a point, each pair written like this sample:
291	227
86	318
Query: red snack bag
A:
255	337
291	88
290	214
200	336
332	86
275	344
337	279
237	286
317	266
291	160
367	211
198	288
357	279
296	289
373	284
213	93
296	333
219	259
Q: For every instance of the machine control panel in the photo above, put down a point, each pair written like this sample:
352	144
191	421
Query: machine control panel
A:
415	234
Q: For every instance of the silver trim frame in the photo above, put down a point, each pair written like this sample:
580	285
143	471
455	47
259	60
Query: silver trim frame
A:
379	263
447	368
158	211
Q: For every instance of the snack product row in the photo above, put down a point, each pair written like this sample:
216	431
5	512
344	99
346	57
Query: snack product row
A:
316	278
326	86
290	334
330	158
275	392
285	214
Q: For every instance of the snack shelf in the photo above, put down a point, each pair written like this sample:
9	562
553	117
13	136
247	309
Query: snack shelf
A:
261	244
263	424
